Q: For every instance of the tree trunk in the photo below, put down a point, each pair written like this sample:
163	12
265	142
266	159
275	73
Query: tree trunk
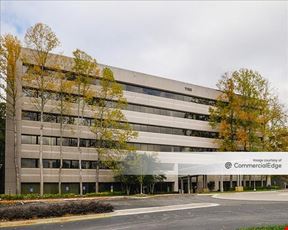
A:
97	178
41	151
78	143
128	190
61	155
262	181
141	188
16	157
152	189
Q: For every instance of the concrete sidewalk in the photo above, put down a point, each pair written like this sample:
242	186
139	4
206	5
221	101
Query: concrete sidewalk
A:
255	196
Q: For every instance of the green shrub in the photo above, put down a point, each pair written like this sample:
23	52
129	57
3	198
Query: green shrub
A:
29	211
271	227
104	194
53	196
262	188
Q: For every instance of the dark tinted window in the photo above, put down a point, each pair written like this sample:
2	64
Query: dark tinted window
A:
51	163
29	163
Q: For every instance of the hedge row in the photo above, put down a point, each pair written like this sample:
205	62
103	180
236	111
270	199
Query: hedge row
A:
29	211
272	227
53	196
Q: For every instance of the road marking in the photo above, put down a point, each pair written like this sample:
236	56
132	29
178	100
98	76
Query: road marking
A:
136	211
124	212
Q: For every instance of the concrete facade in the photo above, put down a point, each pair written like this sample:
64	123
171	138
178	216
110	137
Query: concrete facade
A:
154	103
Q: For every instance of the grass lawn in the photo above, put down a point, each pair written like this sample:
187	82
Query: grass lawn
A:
270	227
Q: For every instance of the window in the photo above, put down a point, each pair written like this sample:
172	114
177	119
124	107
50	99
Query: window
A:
70	76
84	143
88	164
86	121
85	164
165	148
27	92
51	188
144	128
46	140
143	147
27	188
176	149
150	148
66	120
29	139
70	188
29	163
137	127
69	141
49	118
74	164
71	164
30	116
51	163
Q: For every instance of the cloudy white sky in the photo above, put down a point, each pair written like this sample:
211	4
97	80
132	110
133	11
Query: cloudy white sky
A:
195	42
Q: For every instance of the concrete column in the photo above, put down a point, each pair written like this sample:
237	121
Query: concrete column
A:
268	181
182	185
176	182
238	180
221	184
244	180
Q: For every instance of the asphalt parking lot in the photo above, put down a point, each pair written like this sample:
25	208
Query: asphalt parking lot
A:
232	213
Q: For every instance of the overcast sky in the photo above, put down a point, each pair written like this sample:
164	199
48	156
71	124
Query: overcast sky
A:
195	42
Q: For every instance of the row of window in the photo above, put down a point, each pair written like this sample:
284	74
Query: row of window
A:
162	93
167	112
67	164
150	91
66	141
55	118
53	188
28	92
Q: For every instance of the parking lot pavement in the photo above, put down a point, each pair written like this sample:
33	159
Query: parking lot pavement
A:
229	214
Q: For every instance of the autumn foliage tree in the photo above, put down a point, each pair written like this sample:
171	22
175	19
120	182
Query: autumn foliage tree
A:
84	67
10	49
64	88
247	113
42	40
110	127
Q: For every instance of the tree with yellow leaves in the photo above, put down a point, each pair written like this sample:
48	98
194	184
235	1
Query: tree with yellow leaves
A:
64	88
248	115
10	49
111	129
84	68
42	40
